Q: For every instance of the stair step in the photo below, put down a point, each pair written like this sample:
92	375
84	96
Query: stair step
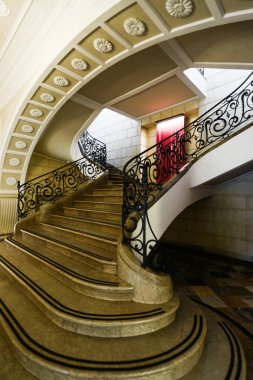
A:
67	309
60	354
102	198
96	227
87	240
112	206
82	278
108	192
114	217
105	262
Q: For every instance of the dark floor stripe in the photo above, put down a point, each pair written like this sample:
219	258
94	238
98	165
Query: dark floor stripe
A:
232	353
238	351
190	340
61	267
237	324
56	304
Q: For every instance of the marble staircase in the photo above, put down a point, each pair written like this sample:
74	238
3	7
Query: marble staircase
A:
70	309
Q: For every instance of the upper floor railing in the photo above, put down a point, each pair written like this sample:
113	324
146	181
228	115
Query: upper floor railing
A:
93	148
48	187
146	174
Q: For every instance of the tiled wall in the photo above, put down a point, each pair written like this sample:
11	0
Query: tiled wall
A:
222	223
121	135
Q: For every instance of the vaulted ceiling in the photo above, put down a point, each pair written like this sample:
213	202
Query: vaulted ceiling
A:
133	60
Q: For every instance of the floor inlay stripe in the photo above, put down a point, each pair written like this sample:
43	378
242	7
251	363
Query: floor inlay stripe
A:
67	310
95	365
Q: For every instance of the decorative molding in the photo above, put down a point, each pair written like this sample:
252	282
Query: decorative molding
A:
35	112
20	144
79	64
102	45
134	26
14	161
4	9
27	128
179	8
48	98
61	81
11	181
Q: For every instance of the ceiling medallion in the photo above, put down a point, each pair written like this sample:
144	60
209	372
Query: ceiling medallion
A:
20	144
79	64
102	45
14	161
11	181
61	81
134	26
4	9
48	98
27	128
179	8
35	112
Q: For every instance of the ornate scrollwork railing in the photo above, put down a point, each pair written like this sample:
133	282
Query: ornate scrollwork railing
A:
93	148
146	174
50	186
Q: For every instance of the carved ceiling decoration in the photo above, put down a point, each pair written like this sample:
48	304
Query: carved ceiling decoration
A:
130	54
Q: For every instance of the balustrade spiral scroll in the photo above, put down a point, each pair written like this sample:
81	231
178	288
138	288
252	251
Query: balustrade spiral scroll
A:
146	173
92	148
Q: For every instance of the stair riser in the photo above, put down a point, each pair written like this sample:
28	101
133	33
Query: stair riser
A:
106	192
105	292
85	239
98	206
86	259
99	198
88	226
107	217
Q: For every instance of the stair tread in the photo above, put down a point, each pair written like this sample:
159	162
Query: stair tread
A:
87	249
93	210
65	349
68	265
50	288
98	222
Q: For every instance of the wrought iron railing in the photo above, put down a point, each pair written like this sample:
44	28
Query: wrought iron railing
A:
146	174
93	148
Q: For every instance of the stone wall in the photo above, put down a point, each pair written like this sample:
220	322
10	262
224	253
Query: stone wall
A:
222	223
40	164
121	135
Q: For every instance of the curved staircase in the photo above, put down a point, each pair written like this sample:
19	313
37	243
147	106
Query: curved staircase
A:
68	314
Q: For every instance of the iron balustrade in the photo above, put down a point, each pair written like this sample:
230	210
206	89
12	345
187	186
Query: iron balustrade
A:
93	148
146	174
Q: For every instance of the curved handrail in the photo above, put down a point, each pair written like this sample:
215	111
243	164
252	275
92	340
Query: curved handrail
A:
91	147
146	173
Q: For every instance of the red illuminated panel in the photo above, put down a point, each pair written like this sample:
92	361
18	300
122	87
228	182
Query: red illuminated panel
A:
170	151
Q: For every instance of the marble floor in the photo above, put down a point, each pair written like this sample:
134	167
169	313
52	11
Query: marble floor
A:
224	286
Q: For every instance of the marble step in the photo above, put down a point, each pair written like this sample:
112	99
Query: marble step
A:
78	276
100	228
114	217
50	352
102	198
84	314
108	192
74	236
105	261
106	206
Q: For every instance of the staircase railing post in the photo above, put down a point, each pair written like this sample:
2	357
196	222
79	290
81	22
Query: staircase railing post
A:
144	182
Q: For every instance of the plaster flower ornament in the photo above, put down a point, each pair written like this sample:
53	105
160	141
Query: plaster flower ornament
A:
35	112
14	161
102	45
4	9
20	144
11	181
61	81
27	128
134	26
179	8
48	98
79	64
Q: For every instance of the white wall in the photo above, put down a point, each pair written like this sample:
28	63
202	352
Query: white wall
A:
121	135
